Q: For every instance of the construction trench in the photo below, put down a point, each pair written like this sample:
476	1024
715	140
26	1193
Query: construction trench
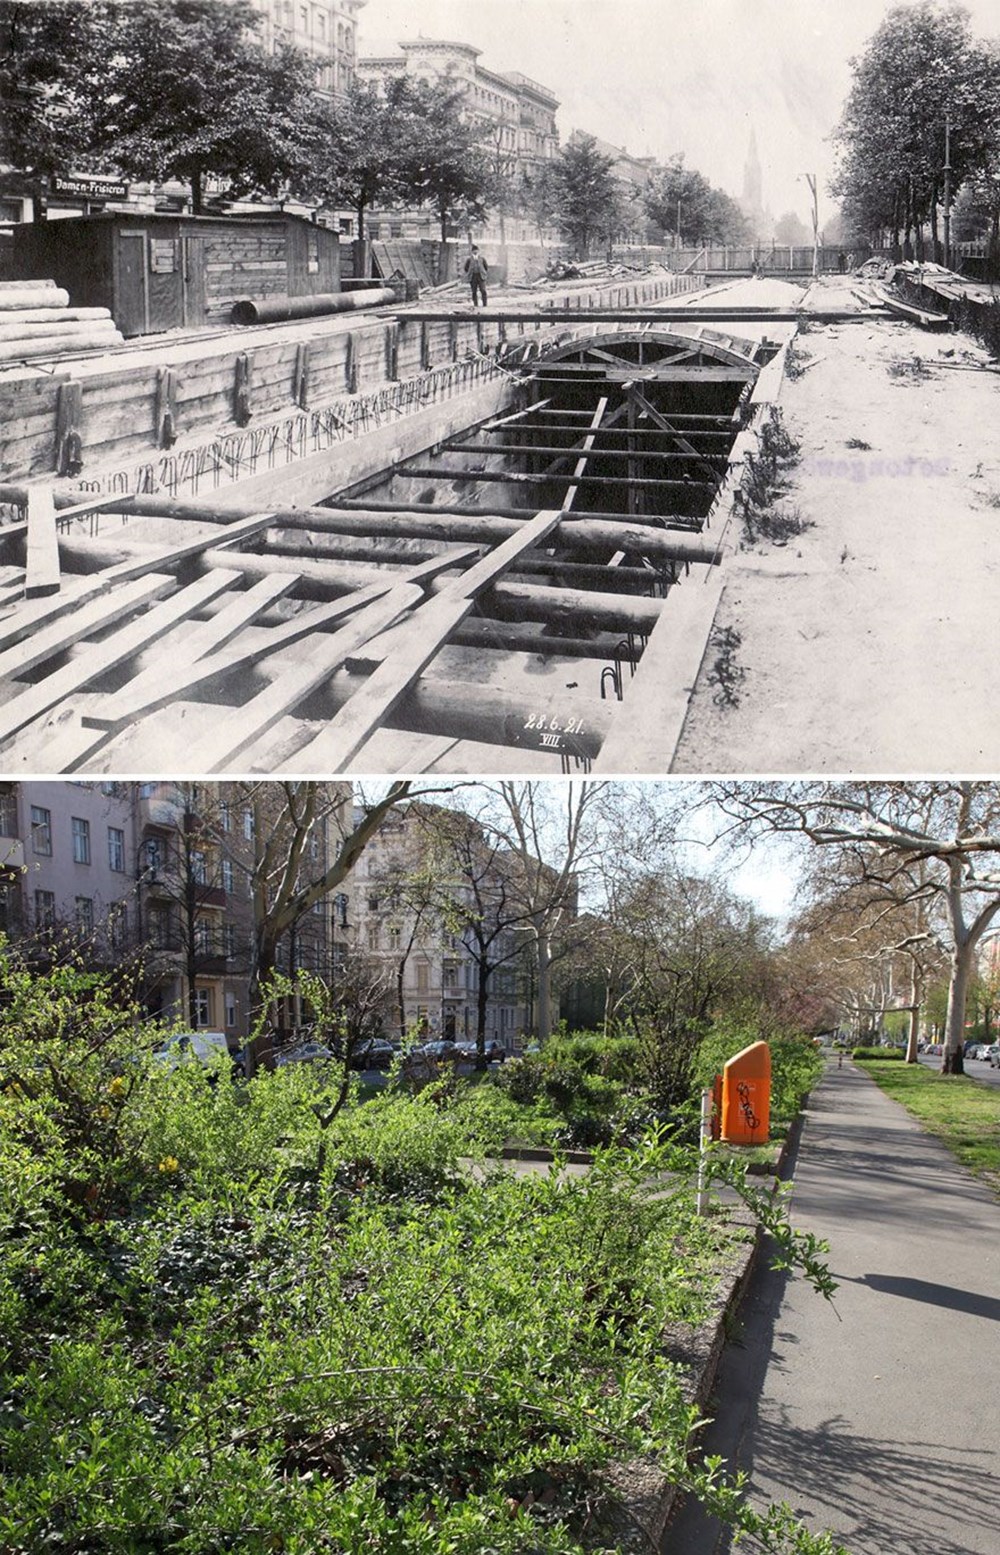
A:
509	559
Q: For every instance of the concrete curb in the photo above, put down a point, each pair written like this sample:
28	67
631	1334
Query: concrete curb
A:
644	1500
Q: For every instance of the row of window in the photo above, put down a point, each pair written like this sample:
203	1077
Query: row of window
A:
83	916
41	839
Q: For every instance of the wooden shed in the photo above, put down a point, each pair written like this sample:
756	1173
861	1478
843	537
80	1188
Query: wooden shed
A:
157	272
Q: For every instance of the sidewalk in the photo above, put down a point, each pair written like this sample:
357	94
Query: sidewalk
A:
884	1425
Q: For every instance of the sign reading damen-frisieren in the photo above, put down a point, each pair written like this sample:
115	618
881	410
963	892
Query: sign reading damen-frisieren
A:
96	186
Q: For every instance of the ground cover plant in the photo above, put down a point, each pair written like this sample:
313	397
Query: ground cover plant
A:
229	1321
962	1112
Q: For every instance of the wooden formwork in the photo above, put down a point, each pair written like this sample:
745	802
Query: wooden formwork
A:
114	402
209	636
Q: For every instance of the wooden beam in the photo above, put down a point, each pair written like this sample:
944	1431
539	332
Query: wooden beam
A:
553	370
42	554
96	615
156	558
426	633
125	705
602	453
102	657
519	478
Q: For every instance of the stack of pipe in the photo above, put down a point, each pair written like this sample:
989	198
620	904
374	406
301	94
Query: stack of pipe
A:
36	320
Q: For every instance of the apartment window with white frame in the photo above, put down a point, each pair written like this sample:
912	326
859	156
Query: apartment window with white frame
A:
203	1008
202	936
230	1010
199	867
116	849
229	939
227	875
85	914
225	816
45	909
248	824
41	830
81	840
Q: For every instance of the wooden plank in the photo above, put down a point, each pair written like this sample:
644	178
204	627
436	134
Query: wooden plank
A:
94	616
207	638
422	638
30	618
170	556
104	656
247	724
428	629
41	576
174	683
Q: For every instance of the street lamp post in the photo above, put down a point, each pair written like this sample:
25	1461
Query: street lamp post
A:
947	189
810	179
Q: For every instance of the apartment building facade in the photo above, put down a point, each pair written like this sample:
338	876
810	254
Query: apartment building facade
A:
166	871
327	30
518	114
435	906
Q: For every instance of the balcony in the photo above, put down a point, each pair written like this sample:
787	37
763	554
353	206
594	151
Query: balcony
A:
11	853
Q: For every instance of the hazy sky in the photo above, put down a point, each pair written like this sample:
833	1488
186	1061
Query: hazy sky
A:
658	76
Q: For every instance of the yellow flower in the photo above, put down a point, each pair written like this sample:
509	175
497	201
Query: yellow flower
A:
117	1086
169	1163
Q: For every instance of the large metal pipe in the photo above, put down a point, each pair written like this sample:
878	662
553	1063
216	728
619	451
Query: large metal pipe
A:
274	310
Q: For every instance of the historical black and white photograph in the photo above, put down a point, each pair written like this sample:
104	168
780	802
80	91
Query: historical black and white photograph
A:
544	387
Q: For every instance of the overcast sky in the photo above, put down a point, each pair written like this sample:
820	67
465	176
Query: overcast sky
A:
658	76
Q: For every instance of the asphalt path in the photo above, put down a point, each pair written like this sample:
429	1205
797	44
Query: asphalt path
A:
877	1417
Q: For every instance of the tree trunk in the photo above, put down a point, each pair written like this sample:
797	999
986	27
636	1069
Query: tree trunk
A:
360	208
196	194
544	956
935	251
481	996
958	988
400	999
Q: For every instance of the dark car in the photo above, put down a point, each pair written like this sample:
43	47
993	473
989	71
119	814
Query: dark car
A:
304	1053
376	1053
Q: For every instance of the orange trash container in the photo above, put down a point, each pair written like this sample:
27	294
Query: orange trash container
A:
746	1096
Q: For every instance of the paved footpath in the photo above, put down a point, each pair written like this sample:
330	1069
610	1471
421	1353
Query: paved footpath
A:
882	1423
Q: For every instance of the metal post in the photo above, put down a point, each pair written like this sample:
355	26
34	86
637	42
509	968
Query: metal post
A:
704	1141
811	181
947	190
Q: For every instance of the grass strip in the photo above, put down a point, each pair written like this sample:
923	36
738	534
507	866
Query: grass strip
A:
964	1114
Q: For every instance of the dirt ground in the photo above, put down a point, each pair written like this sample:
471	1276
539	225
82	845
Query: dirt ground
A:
868	642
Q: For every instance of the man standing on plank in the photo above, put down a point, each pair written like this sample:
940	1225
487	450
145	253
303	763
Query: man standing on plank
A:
476	268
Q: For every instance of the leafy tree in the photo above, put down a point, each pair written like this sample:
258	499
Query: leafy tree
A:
920	69
50	75
159	89
444	160
680	200
357	155
579	191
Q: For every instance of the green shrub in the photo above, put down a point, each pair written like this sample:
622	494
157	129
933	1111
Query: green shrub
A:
878	1052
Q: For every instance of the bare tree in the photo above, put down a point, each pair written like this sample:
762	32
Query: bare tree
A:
936	843
556	833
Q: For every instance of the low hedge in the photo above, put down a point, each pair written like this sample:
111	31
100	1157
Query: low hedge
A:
877	1052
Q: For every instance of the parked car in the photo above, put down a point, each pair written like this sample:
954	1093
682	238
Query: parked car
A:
376	1053
993	1055
303	1053
201	1045
975	1050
